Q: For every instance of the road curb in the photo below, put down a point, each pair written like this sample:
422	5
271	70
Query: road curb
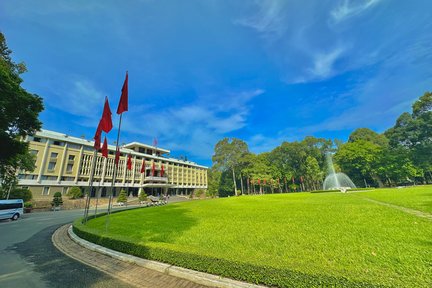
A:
191	275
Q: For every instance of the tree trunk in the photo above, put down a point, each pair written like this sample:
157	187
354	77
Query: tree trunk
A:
235	186
248	186
241	184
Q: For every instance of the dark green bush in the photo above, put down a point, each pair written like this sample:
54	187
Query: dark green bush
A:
21	193
75	193
122	197
142	196
57	199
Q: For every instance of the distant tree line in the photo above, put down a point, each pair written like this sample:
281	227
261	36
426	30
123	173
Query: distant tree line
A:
402	155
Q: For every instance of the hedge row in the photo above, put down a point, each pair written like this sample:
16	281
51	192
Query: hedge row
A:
235	270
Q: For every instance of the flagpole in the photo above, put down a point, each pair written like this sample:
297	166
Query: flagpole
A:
93	168
97	200
115	165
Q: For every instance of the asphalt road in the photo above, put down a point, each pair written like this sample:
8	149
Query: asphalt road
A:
29	259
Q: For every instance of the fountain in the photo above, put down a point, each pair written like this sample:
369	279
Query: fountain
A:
336	181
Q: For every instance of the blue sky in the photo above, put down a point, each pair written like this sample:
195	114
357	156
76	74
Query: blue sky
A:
262	71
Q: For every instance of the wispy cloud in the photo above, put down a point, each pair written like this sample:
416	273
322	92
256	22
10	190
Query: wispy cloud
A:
79	97
347	9
268	19
324	62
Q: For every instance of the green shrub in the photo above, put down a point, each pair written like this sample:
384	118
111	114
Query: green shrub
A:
199	192
28	205
74	193
122	197
57	199
142	196
21	193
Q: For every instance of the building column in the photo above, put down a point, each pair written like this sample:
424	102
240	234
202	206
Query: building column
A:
62	163
178	174
79	163
124	170
43	162
133	170
104	169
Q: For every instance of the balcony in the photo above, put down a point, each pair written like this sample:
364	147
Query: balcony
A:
150	179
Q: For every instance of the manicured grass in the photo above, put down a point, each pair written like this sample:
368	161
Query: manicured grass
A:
419	197
290	240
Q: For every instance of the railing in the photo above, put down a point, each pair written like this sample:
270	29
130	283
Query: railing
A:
156	179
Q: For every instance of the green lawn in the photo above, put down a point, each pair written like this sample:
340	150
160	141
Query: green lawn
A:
418	198
287	240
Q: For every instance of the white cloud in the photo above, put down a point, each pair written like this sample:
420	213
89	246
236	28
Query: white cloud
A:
79	97
347	9
324	62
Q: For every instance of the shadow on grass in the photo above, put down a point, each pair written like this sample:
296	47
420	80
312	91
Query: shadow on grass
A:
155	224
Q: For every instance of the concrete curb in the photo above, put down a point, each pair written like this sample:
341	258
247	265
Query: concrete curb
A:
191	275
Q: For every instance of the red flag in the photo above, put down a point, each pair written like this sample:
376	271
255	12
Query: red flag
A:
143	166
106	121
97	138
105	149
155	142
259	181
117	156
153	169
162	171
129	162
123	104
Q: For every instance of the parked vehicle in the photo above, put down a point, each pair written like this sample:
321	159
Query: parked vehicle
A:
11	209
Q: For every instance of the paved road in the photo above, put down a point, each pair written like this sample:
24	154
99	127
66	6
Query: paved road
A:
29	259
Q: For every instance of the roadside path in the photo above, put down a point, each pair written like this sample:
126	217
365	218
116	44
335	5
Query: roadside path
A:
131	274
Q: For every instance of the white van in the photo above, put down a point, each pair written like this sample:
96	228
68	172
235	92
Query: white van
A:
11	209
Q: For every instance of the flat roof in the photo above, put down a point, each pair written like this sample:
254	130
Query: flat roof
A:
142	145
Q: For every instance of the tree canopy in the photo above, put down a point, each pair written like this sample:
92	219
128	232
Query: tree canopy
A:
19	111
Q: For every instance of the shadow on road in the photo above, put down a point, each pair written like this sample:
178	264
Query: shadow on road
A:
56	269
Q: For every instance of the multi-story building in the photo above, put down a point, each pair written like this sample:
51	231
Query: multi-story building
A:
63	161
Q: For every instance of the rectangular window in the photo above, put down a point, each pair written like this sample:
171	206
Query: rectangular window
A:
58	143
69	168
45	191
51	166
71	157
37	139
54	155
7	206
64	190
74	146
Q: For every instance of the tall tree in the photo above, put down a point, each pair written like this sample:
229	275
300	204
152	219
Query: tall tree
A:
367	134
19	111
413	132
228	153
359	160
313	173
